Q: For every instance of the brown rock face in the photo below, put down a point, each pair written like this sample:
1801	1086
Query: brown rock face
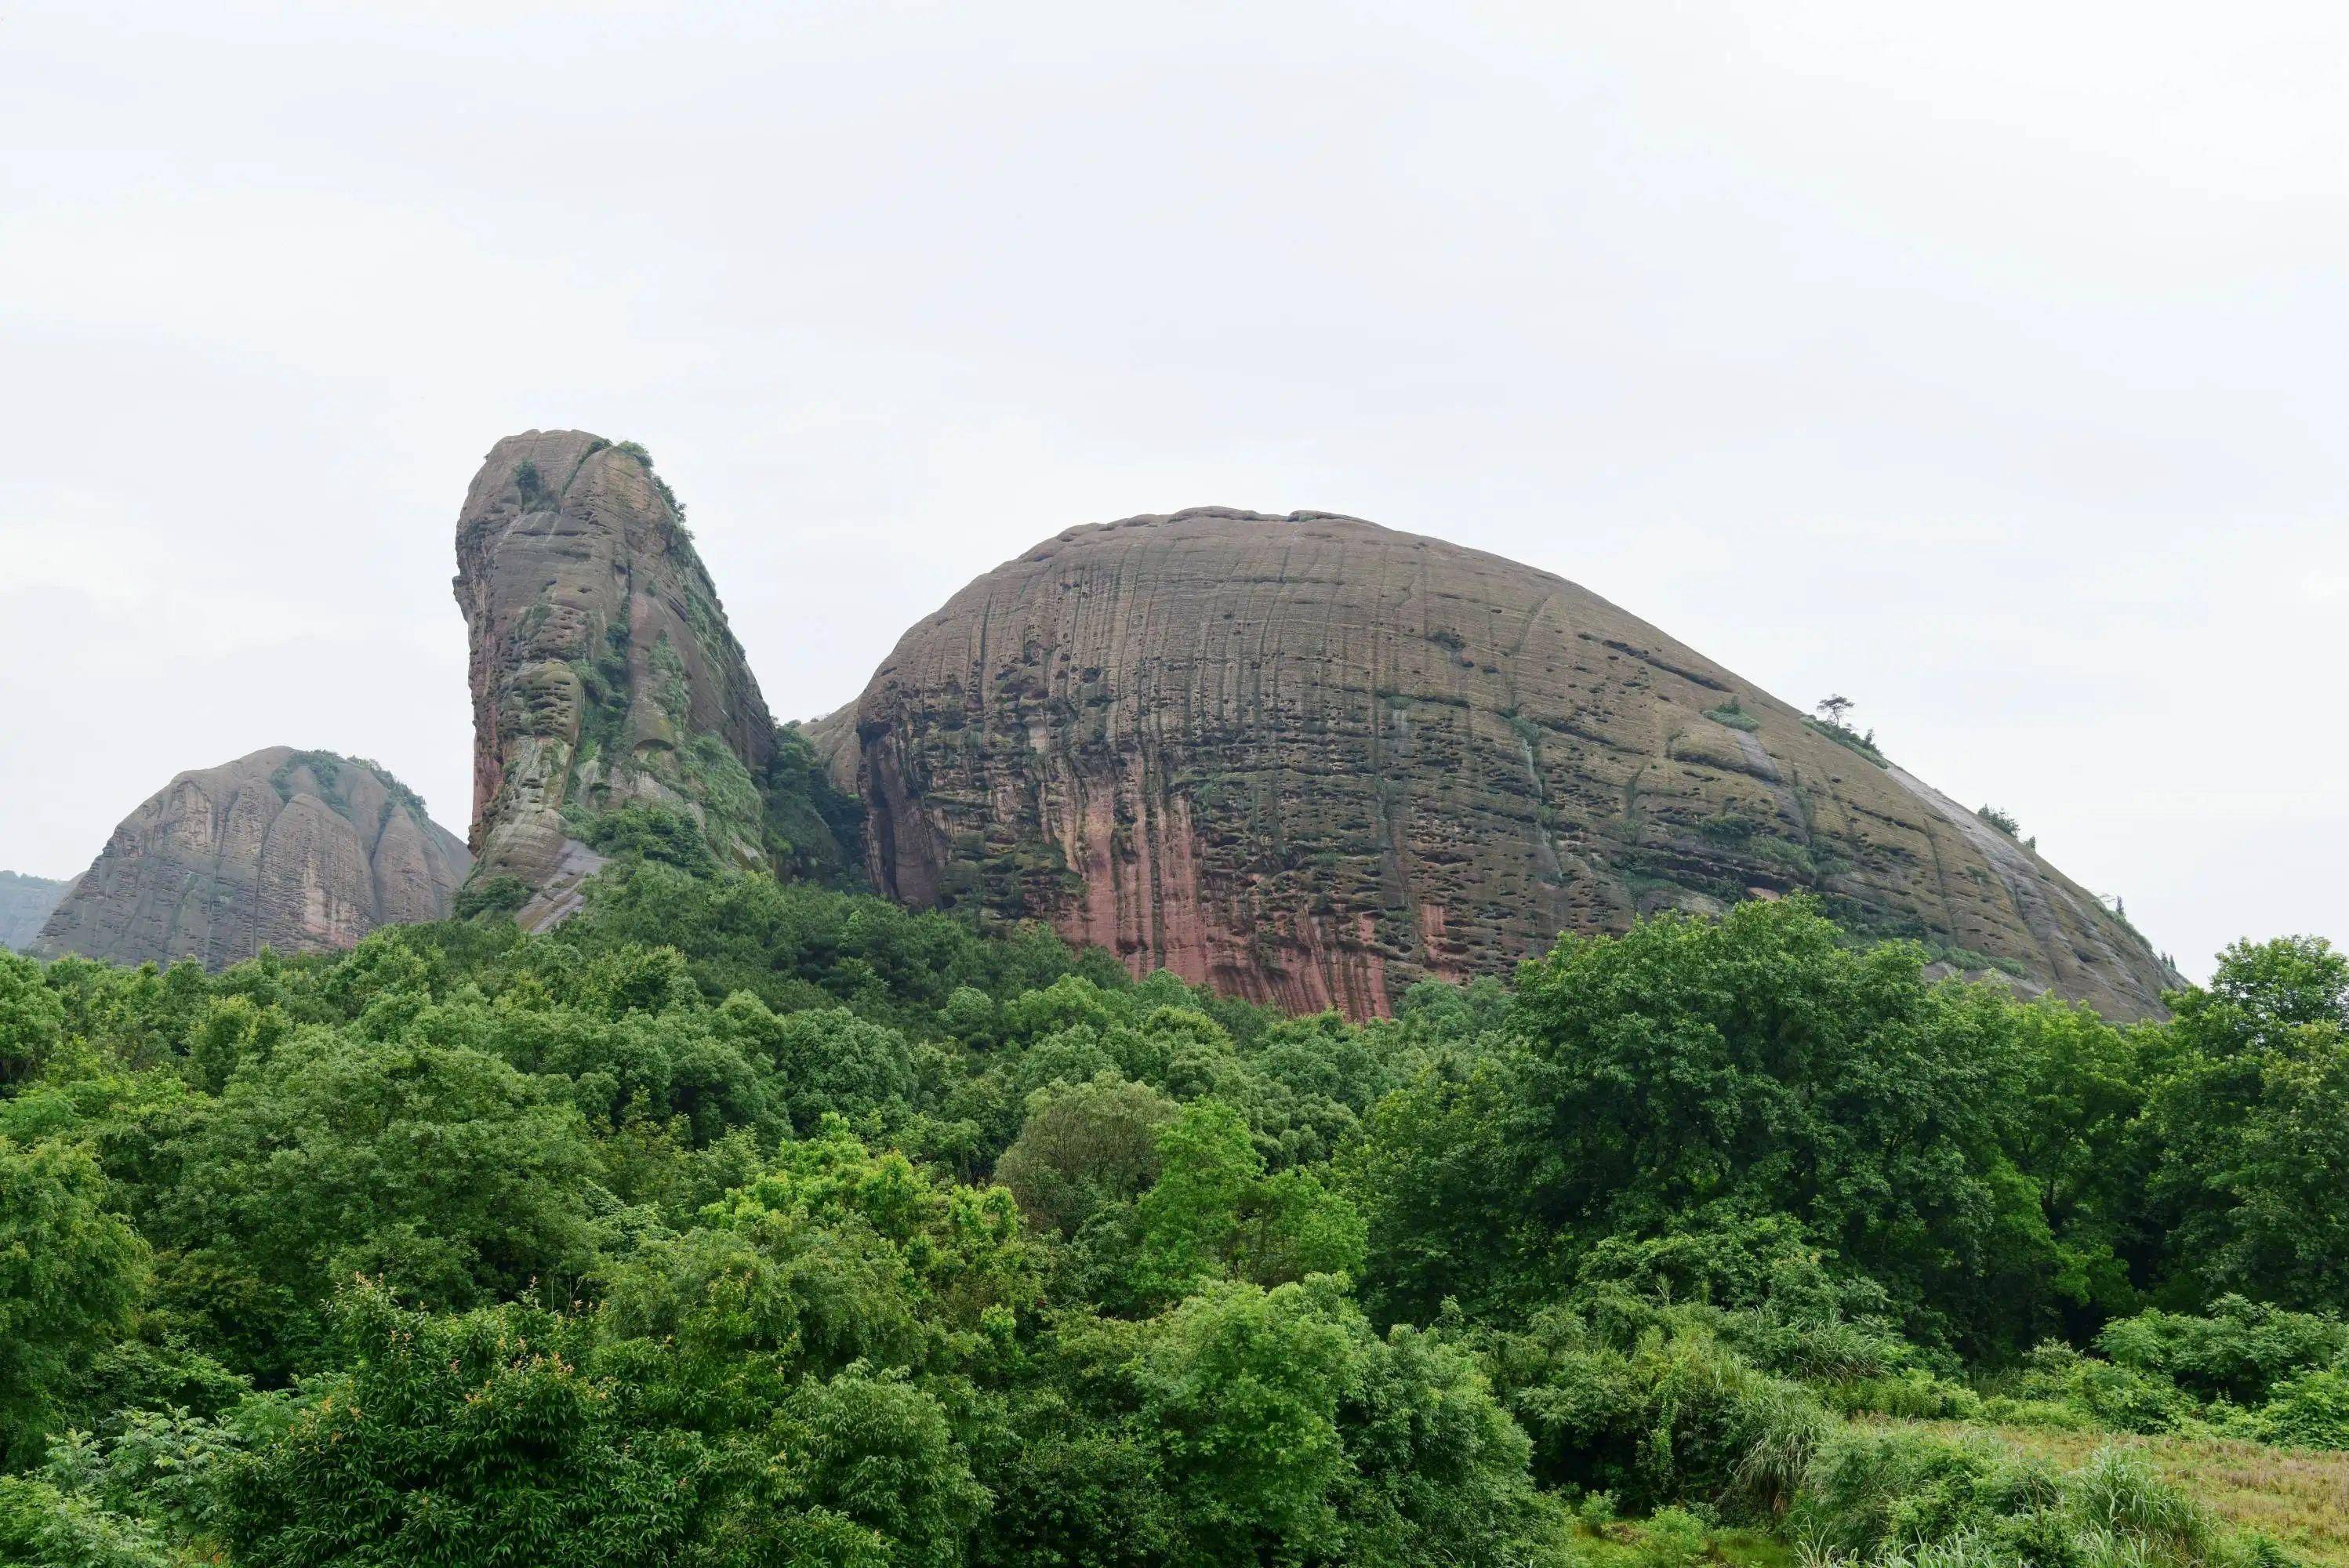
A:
604	674
294	851
1310	761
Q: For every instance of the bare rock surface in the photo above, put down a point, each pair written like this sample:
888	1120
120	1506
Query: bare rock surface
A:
25	905
1312	760
604	675
293	850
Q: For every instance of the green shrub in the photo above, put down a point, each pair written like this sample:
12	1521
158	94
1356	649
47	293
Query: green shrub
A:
1889	1497
2117	1494
1673	1418
661	834
2040	1415
2310	1411
1670	1537
498	896
1871	1491
1966	1548
1734	717
1910	1395
2119	1398
1852	739
2236	1351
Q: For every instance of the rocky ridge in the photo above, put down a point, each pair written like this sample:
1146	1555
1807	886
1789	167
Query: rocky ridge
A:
1312	760
293	850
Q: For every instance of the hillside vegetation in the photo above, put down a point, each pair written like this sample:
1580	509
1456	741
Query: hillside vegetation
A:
734	1222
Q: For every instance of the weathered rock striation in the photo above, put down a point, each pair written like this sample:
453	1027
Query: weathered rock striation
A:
25	903
1312	760
293	850
604	676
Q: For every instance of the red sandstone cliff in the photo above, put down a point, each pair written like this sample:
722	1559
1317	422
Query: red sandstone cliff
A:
1312	761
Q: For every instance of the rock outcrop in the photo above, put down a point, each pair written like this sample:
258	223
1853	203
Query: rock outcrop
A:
293	850
25	903
604	678
1312	760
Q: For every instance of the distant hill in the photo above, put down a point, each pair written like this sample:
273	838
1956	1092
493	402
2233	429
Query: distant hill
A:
25	903
294	851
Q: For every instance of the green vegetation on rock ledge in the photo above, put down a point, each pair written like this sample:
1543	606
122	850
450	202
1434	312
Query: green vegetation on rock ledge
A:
1734	716
1845	736
744	1222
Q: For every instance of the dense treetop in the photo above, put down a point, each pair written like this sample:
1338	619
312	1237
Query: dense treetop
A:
742	1222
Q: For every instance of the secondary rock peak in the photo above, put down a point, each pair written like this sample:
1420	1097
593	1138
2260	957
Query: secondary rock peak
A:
291	850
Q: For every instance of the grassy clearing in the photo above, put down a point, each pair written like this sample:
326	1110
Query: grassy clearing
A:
2299	1497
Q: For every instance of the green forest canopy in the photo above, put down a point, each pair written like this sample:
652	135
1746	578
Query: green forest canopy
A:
736	1222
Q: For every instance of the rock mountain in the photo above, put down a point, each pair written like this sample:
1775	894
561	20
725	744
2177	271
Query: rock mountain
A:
604	678
294	851
1312	760
1305	758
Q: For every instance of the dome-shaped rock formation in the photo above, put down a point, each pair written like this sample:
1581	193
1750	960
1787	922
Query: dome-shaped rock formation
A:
1312	760
293	850
604	675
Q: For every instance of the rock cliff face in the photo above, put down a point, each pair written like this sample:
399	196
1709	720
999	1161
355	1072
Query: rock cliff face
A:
295	851
604	676
1310	761
25	903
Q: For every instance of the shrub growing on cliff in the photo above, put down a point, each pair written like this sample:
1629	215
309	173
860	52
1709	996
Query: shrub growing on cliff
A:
490	896
661	834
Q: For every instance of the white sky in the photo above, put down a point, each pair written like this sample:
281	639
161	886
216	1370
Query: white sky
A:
1987	363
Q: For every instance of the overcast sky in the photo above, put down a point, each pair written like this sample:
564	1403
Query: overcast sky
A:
1988	362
